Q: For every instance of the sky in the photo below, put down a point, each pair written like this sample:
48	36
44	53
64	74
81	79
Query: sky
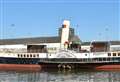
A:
91	19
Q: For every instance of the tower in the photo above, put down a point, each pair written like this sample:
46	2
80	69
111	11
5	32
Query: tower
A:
65	34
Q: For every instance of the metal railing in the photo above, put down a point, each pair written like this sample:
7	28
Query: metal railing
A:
74	60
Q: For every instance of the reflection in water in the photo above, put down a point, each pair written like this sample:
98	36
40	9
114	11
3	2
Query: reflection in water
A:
60	76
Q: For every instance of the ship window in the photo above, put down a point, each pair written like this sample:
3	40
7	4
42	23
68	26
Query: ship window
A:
18	55
104	59
100	59
85	54
109	54
108	59
34	55
37	55
27	55
24	55
21	56
118	54
114	54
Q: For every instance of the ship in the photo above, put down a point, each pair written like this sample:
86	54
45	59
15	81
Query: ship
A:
65	51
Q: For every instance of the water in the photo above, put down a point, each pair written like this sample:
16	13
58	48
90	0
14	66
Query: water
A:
60	76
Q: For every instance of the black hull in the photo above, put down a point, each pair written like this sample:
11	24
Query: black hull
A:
7	60
85	65
37	61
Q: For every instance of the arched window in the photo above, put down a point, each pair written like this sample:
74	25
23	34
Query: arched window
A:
24	55
38	55
18	55
34	55
31	55
21	55
27	55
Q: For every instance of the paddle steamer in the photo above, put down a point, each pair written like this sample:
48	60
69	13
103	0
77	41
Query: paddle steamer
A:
63	51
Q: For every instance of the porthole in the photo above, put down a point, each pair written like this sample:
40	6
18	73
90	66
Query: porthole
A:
85	54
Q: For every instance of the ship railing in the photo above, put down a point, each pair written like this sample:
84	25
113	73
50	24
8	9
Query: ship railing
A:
98	53
72	60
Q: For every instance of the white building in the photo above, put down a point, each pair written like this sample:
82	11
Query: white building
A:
66	39
40	44
104	45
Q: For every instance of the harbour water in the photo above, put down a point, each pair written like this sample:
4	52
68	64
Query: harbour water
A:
60	76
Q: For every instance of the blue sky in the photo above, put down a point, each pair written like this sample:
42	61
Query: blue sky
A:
92	19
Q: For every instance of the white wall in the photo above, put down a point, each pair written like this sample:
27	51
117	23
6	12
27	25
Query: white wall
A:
85	47
114	47
52	47
80	55
15	55
13	48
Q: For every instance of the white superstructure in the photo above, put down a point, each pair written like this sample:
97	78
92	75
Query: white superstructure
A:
58	47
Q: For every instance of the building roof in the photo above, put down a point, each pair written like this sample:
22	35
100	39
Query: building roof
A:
111	42
75	39
115	42
54	39
85	43
34	40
